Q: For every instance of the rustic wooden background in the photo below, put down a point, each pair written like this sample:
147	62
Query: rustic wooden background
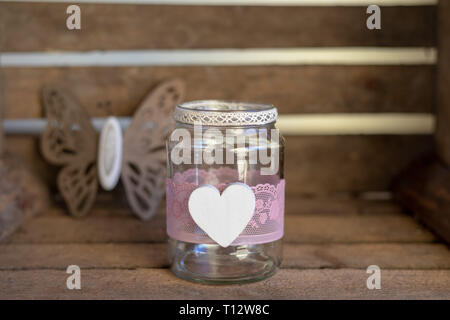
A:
334	227
328	164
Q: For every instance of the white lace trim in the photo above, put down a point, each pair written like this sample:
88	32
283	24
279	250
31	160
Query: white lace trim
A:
226	118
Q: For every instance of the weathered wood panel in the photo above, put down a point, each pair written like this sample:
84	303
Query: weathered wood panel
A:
443	80
292	89
340	205
384	255
313	164
332	164
110	204
22	196
297	256
42	27
28	149
286	284
311	229
299	228
425	190
1	99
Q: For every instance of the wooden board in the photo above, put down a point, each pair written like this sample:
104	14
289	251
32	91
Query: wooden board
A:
328	245
286	284
1	104
22	196
111	226
313	164
425	187
423	256
307	229
369	163
113	204
319	165
425	190
443	79
292	89
42	27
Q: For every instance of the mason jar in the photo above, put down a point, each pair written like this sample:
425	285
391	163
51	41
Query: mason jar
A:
225	192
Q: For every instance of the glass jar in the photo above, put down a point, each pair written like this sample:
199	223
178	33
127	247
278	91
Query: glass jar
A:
220	143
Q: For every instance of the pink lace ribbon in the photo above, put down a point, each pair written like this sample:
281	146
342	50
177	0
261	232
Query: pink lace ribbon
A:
266	224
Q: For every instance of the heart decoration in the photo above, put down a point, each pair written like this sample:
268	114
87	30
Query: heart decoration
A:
222	217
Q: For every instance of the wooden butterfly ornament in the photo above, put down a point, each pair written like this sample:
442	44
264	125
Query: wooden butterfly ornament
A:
70	140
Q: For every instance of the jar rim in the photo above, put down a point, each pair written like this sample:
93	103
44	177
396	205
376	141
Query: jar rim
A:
225	113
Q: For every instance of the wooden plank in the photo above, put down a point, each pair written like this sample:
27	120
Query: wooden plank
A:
42	27
319	165
328	124
295	256
443	79
425	190
292	89
314	165
28	149
384	255
64	229
86	256
299	228
295	3
347	56
2	35
425	187
22	196
113	204
312	229
302	124
286	284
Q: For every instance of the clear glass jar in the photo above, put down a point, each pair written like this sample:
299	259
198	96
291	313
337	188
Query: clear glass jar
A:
219	143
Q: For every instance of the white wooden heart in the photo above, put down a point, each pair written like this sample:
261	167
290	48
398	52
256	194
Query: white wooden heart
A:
222	217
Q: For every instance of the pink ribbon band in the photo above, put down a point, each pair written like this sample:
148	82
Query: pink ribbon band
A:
266	224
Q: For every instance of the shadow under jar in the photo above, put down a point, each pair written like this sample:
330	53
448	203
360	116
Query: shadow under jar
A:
219	143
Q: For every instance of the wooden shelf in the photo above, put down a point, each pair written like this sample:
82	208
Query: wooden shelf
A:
328	246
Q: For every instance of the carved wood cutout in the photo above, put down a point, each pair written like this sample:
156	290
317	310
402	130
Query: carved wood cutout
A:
69	140
144	151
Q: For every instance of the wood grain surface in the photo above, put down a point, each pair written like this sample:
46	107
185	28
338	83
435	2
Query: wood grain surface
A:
443	80
424	188
22	196
286	284
329	243
425	256
118	91
42	27
342	225
314	165
333	164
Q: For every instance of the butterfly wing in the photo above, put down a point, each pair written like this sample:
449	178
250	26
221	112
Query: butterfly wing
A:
70	140
78	184
143	164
